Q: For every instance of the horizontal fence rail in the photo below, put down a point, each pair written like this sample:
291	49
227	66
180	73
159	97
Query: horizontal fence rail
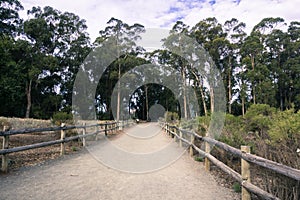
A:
6	133
245	157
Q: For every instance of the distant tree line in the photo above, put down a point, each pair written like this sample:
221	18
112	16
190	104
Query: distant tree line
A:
40	57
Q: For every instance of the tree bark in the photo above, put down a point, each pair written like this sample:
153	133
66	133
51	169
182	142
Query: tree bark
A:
201	92
119	95
28	95
243	106
212	100
147	103
229	87
184	93
253	86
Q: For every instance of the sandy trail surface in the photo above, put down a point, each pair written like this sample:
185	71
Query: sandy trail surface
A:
84	176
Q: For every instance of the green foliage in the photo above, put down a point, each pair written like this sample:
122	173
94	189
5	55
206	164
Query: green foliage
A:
57	44
203	124
9	16
237	187
171	117
4	122
259	118
62	117
285	126
188	124
199	159
233	133
74	148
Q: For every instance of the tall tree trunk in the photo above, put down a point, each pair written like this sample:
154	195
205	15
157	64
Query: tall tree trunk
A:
184	93
203	100
253	86
28	95
281	99
201	92
147	103
229	86
243	105
119	95
212	100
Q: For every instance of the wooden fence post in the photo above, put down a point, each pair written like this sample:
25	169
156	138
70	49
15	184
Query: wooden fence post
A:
168	129
83	133
180	135
245	172
175	137
62	137
105	128
192	142
97	131
5	146
207	162
119	125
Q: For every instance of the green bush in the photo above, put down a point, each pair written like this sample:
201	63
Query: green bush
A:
285	126
203	124
258	118
199	159
237	187
233	133
4	122
188	124
62	117
171	117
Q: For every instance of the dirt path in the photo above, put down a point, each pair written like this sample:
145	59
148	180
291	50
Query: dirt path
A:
81	176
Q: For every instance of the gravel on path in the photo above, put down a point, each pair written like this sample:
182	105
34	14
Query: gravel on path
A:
80	176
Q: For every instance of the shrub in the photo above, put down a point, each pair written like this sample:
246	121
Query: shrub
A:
285	126
171	117
203	124
233	133
259	118
4	122
188	124
237	187
199	159
62	117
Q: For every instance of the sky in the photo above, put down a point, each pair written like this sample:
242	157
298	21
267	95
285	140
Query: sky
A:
164	13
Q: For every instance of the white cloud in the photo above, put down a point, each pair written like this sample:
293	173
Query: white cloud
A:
163	13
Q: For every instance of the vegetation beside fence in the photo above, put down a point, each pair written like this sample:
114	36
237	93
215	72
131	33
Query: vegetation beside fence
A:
21	123
81	130
243	178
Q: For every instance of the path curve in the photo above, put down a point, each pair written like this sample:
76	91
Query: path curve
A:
80	176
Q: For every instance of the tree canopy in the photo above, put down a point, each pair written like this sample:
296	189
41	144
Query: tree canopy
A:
40	57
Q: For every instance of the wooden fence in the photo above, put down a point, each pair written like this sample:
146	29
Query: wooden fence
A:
246	158
100	128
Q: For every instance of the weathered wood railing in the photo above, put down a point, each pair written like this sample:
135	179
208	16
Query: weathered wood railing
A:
243	153
100	128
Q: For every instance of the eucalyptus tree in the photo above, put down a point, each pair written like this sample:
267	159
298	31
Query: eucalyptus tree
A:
276	57
11	95
235	35
251	54
59	43
177	61
255	51
210	34
291	69
9	16
125	37
165	96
